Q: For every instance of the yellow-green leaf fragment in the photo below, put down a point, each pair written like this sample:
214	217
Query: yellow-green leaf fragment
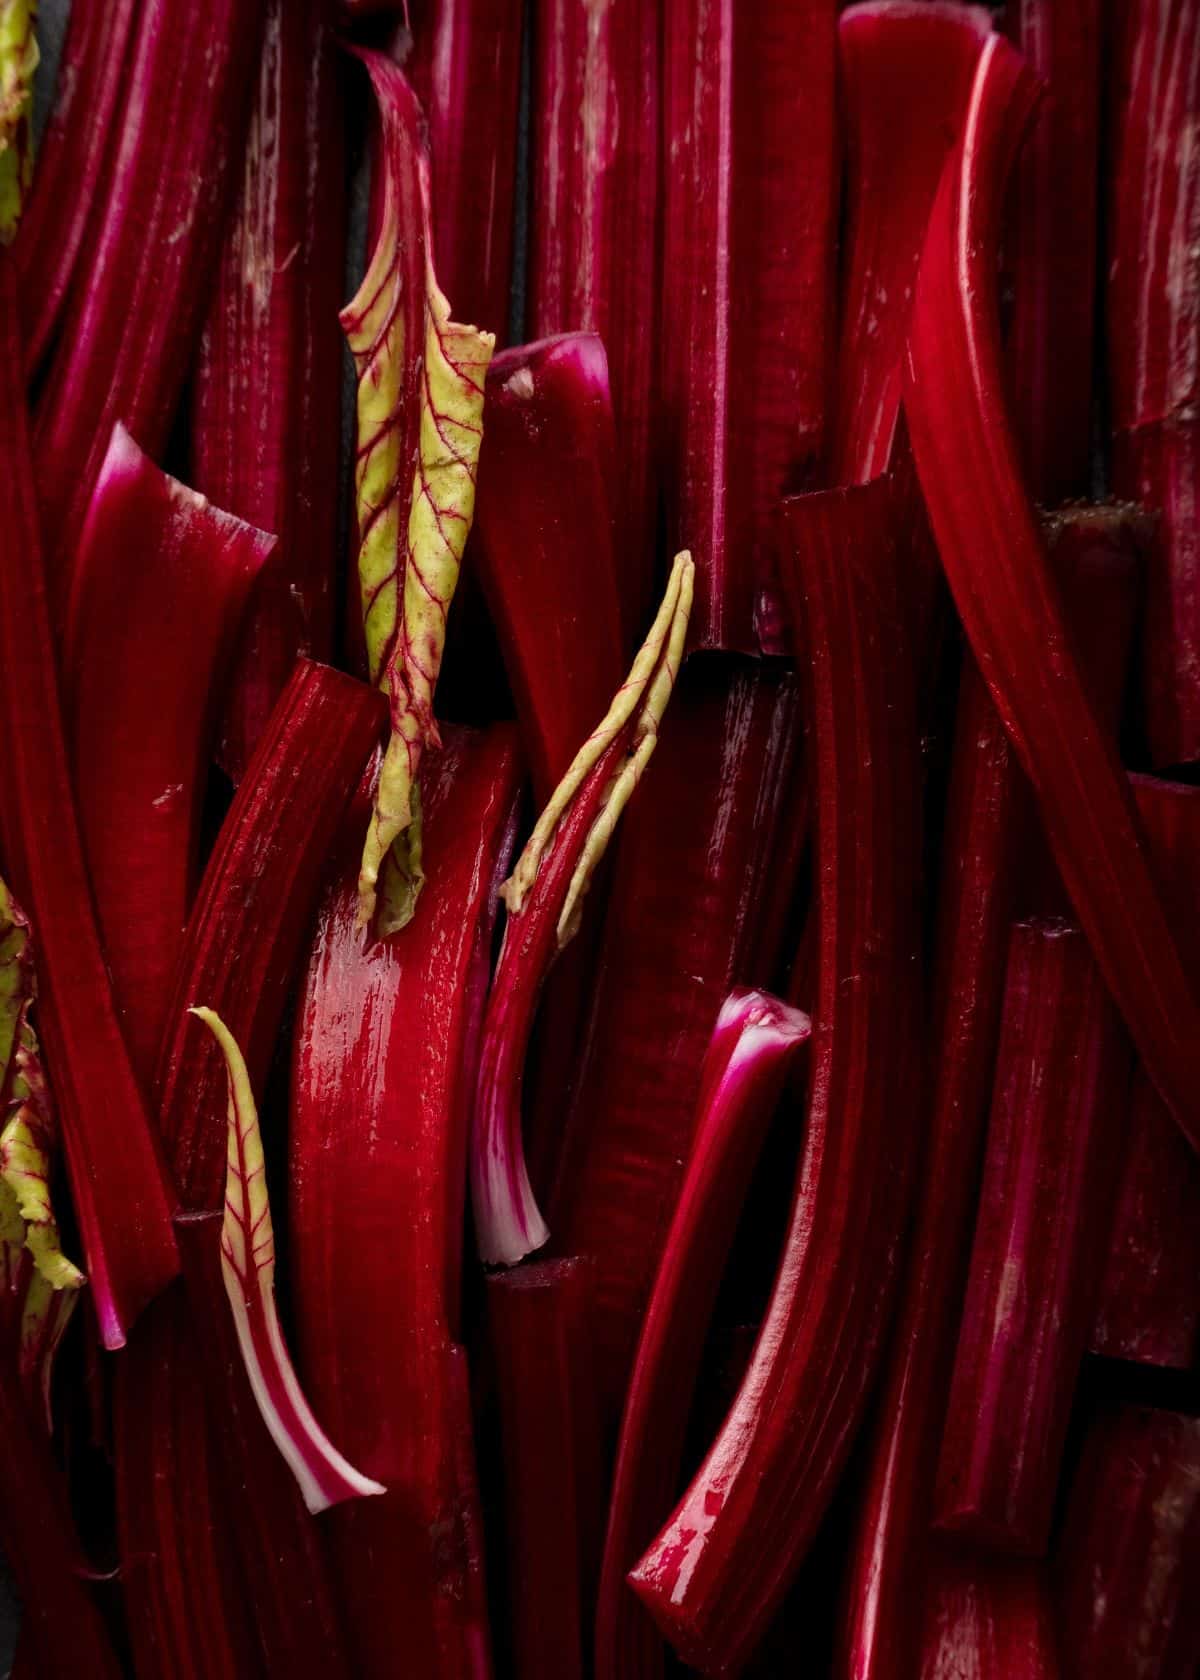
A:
27	1134
441	510
16	980
26	1147
420	422
18	61
384	325
638	709
248	1268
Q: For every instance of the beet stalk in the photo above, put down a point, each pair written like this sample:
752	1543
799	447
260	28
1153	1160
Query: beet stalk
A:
682	928
544	544
748	217
906	70
383	1068
75	147
132	317
721	1564
1058	1114
545	897
1054	247
1149	1300
987	1618
987	537
1153	340
753	1044
1130	1550
537	1318
593	239
244	938
161	582
990	852
466	68
267	380
118	1182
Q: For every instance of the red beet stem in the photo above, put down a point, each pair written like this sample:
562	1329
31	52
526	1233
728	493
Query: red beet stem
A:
1130	1550
906	70
594	259
466	68
991	854
552	1453
753	1046
160	585
689	874
1054	247
987	537
383	1064
120	1190
240	953
544	544
1057	1119
75	148
132	318
1149	1301
188	1614
266	388
750	141
987	1618
719	1568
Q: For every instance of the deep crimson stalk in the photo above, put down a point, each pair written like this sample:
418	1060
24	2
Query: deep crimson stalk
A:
58	1614
593	237
537	1317
746	297
987	1618
75	146
688	883
545	898
466	68
1053	248
991	854
544	544
250	920
545	549
1149	1300
283	1578
1154	332
1159	466
508	1221
188	1614
383	1068
753	1045
881	1626
906	71
1153	339
987	536
160	585
244	939
1057	1120
266	388
719	1568
118	1184
131	319
1130	1550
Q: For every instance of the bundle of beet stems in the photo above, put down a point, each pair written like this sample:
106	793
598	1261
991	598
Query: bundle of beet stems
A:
633	1111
